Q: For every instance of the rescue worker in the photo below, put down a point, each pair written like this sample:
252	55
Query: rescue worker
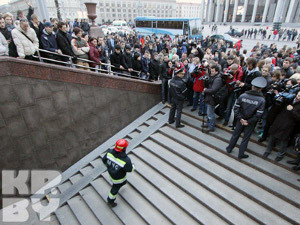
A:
177	92
248	110
118	164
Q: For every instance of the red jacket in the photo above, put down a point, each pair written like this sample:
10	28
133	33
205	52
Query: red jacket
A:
275	32
94	55
238	45
237	76
198	84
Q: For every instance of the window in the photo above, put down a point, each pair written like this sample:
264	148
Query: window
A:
123	5
124	15
107	10
101	10
124	10
119	10
112	4
113	10
107	4
113	15
143	23
129	10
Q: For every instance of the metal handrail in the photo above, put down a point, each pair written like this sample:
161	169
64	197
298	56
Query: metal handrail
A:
70	62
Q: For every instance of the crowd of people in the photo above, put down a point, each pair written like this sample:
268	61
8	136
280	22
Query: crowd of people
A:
213	76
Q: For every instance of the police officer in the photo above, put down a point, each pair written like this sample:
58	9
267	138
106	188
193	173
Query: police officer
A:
177	92
118	164
248	110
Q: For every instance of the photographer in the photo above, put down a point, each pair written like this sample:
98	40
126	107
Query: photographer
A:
283	126
213	84
235	75
198	87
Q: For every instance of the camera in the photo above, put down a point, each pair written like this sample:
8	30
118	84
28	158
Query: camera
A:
235	86
227	74
278	85
288	95
197	70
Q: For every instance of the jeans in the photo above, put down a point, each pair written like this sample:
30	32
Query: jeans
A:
211	116
230	103
196	97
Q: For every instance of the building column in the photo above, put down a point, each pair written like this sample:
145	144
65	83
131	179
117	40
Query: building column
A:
209	19
254	11
279	11
226	11
236	2
202	10
290	11
218	11
245	11
265	11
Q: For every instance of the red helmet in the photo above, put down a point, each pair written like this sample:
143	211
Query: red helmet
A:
121	145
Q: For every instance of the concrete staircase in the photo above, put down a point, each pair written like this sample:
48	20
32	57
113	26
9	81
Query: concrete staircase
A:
182	176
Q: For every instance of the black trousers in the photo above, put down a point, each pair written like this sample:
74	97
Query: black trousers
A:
176	105
114	191
236	134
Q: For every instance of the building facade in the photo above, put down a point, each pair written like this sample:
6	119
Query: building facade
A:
210	11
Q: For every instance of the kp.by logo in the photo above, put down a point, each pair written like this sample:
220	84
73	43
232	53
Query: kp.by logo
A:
15	209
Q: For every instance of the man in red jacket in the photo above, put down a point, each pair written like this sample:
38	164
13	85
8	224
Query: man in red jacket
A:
198	87
231	82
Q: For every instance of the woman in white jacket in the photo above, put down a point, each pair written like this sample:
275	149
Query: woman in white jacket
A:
3	45
25	40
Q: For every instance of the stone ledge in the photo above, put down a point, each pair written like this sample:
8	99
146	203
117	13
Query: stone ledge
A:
45	71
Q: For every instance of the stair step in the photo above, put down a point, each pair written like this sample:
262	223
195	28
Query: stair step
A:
125	212
269	168
240	201
193	210
82	212
143	127
75	178
65	216
226	136
86	170
242	169
196	191
134	134
101	210
143	207
97	162
63	187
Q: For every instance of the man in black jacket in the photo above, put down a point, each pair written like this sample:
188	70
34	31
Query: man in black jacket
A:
165	77
214	84
63	41
248	110
116	59
250	73
154	67
118	164
127	59
177	92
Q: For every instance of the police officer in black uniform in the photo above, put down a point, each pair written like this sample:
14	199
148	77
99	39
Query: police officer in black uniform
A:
118	164
177	92
248	110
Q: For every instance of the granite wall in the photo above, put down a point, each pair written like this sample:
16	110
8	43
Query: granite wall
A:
51	116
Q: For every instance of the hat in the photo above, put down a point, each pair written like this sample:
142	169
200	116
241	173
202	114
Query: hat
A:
259	82
118	47
230	57
48	24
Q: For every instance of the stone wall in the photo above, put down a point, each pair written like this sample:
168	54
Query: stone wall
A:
51	116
